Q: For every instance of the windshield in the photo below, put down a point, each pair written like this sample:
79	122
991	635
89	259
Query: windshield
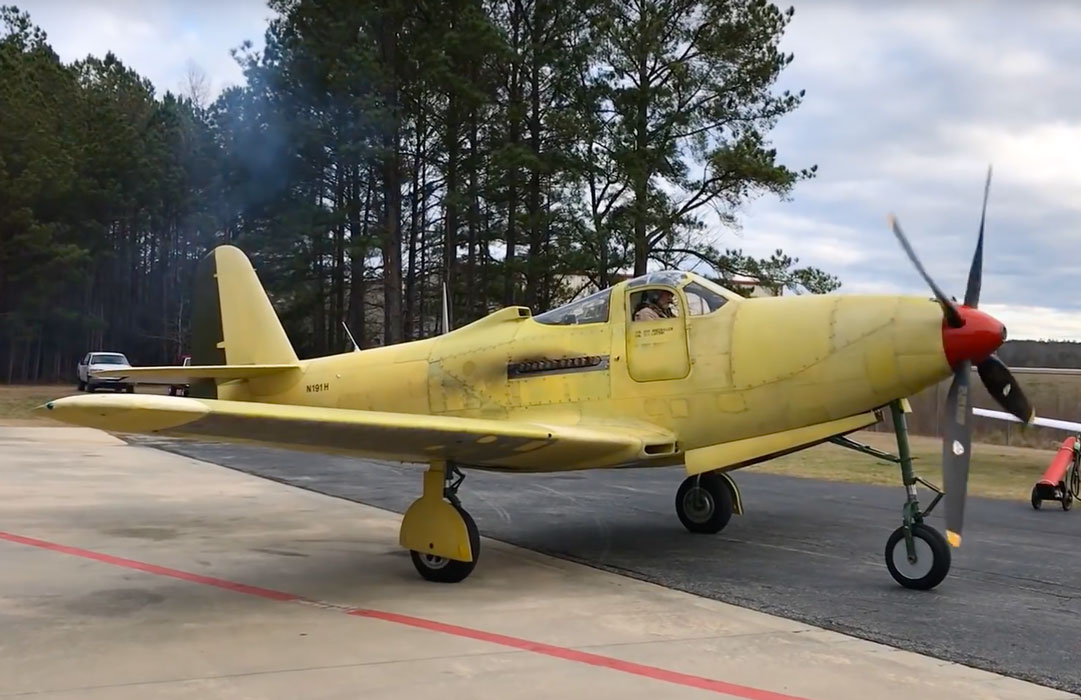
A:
592	309
109	360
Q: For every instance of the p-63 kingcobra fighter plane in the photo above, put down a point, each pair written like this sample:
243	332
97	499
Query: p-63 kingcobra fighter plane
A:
718	384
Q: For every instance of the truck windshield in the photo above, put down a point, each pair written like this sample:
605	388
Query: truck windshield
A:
109	360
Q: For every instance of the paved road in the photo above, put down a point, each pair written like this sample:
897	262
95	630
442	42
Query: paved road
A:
806	550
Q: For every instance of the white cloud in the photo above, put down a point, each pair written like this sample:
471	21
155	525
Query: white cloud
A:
158	38
1036	322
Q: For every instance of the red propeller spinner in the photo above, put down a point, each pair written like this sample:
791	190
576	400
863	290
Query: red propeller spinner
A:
979	335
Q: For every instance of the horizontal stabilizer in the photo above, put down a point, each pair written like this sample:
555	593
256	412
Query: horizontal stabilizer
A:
182	374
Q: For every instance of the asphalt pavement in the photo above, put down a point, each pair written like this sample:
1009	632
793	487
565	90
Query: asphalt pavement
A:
807	550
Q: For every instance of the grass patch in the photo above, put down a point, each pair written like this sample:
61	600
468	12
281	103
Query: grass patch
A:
997	471
17	400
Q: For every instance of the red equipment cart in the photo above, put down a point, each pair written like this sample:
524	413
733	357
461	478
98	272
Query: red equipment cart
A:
1062	479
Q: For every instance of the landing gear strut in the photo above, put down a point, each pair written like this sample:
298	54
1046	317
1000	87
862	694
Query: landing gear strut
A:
917	555
442	539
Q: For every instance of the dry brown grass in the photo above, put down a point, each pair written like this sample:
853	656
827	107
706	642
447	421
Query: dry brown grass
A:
997	471
18	400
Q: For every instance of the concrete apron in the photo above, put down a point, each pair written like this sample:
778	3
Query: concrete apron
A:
126	572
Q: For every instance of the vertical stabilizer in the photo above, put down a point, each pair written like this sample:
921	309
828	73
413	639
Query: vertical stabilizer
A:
233	321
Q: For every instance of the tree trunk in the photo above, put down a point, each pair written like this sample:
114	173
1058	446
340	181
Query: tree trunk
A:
392	193
641	171
414	203
514	136
535	264
338	336
474	215
450	241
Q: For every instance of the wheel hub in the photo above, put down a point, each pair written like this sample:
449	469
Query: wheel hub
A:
433	561
925	559
698	504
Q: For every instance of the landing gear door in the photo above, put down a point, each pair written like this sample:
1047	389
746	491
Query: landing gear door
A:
656	335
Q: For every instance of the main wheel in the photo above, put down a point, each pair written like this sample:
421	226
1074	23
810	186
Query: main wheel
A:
704	503
443	570
932	557
1067	500
1036	500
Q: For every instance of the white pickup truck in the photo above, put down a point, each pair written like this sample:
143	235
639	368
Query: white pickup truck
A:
94	362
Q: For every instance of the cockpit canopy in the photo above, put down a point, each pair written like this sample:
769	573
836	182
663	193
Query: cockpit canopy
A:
691	294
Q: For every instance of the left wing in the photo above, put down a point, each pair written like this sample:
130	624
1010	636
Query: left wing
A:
404	437
1044	422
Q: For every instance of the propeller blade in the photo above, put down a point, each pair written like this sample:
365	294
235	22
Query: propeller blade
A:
975	273
956	441
953	316
1004	388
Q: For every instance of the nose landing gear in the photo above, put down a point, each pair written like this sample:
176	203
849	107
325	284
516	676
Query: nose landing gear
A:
917	555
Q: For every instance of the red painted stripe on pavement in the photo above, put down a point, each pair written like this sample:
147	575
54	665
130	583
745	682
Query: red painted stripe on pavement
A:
643	670
151	568
583	657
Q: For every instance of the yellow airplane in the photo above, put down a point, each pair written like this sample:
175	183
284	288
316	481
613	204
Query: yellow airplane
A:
608	381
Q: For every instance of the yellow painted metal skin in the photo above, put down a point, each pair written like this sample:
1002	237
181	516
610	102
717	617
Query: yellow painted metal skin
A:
752	379
738	453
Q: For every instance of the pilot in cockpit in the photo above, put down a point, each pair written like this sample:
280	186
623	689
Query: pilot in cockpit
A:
655	304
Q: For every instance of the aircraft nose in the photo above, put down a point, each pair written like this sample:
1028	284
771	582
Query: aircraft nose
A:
979	336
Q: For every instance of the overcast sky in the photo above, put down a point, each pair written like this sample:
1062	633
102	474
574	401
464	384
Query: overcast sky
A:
907	103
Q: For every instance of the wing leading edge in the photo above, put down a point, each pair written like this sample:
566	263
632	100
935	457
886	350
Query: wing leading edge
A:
501	444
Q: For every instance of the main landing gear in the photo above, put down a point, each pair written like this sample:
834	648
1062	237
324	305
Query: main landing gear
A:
440	535
917	555
705	502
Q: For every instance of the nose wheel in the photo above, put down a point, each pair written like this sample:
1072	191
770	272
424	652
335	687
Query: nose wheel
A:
930	560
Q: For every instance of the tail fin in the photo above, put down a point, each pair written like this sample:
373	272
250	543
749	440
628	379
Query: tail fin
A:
233	322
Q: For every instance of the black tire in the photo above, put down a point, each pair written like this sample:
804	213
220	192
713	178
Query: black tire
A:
923	575
131	388
1036	501
704	503
443	570
1067	501
82	385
